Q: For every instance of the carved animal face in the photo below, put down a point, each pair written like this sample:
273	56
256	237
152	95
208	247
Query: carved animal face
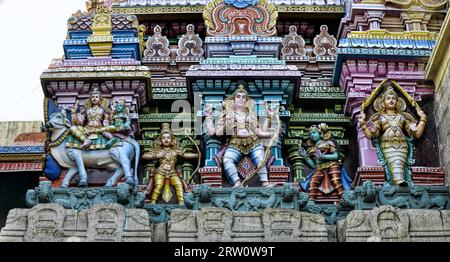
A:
58	120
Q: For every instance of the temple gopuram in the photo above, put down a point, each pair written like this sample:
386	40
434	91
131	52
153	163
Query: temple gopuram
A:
240	120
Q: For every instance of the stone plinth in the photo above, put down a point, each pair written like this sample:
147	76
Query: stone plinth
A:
218	225
53	223
389	224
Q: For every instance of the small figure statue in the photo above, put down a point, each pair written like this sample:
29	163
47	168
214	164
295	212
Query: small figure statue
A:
323	156
166	150
238	120
391	128
86	125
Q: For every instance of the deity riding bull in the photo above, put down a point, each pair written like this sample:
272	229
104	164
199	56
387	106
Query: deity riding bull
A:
98	144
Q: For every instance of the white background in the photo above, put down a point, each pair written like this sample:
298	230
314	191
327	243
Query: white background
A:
31	35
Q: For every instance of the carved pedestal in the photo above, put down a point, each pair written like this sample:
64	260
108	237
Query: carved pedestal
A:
212	176
279	175
430	176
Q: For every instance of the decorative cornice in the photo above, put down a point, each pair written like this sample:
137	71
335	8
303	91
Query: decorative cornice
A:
159	10
321	92
21	149
108	72
164	117
385	44
242	60
21	157
129	3
21	166
198	9
169	93
243	70
310	9
385	34
319	117
93	62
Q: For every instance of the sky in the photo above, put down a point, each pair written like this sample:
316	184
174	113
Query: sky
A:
31	35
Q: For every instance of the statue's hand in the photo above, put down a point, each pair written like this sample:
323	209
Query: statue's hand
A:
361	118
271	112
75	107
208	110
302	152
319	155
420	113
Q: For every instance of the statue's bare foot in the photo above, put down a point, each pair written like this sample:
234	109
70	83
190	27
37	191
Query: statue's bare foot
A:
267	184
83	184
238	184
130	182
86	144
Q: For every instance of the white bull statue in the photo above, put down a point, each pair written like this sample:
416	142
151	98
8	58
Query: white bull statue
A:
116	159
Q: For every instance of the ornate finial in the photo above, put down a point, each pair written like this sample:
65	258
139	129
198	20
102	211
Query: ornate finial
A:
101	39
157	47
325	45
93	5
225	20
293	46
189	46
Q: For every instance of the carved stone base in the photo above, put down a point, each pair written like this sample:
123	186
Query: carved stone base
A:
432	176
219	225
390	224
369	196
53	223
245	198
83	198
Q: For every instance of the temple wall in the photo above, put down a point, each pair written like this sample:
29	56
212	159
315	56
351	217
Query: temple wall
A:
10	130
106	222
442	114
438	71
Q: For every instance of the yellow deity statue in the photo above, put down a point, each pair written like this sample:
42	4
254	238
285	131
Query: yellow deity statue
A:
167	152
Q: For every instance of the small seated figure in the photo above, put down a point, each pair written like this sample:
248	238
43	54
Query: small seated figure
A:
323	156
120	124
167	152
239	121
86	125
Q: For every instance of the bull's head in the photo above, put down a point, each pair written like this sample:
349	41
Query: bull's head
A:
58	120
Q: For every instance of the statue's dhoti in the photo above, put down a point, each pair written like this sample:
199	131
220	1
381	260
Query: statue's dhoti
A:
236	150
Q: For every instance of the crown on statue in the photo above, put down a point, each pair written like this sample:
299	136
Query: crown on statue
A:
121	101
96	91
240	88
165	128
